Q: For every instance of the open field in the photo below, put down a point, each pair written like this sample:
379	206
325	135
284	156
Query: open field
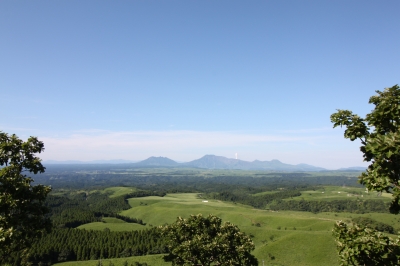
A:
305	236
340	193
119	191
114	226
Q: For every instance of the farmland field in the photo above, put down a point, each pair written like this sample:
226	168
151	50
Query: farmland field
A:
154	260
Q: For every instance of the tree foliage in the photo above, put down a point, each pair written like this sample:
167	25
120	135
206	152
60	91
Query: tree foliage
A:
371	223
379	133
359	245
21	204
204	241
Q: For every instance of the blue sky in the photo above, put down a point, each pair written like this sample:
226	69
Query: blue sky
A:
132	79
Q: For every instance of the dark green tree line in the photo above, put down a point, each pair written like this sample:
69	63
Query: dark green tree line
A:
74	244
315	206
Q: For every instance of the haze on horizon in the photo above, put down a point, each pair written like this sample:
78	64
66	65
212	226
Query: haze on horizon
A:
99	80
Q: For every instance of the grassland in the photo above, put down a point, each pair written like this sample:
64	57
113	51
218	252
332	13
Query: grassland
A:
340	193
114	225
281	238
119	191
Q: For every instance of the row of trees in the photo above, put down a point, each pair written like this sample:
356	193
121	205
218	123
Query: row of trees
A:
73	244
72	210
354	206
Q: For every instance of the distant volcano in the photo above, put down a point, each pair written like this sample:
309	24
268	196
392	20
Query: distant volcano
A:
220	162
158	161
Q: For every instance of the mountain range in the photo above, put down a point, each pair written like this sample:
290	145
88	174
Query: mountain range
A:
89	162
220	162
211	162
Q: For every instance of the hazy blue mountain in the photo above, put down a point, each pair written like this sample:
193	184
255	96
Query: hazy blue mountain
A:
354	168
89	162
213	162
220	162
278	165
158	161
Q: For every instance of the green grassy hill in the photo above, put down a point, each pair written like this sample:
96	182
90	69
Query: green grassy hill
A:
281	238
119	191
153	260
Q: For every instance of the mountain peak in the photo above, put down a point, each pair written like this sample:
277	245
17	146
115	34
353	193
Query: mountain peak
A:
158	161
220	162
